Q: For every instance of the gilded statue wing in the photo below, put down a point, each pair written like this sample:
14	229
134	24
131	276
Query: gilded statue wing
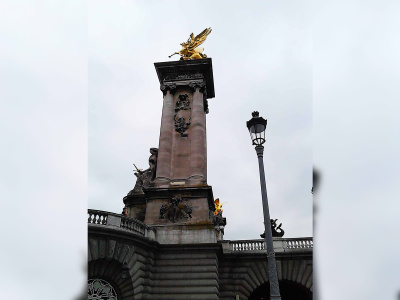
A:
198	40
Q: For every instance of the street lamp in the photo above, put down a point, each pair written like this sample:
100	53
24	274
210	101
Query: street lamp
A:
257	126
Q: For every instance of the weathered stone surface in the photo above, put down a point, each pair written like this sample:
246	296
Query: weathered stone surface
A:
199	216
189	271
185	235
182	152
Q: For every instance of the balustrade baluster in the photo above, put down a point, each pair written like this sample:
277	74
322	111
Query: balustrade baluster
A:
287	244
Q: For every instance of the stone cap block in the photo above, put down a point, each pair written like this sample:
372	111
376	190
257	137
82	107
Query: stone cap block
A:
186	70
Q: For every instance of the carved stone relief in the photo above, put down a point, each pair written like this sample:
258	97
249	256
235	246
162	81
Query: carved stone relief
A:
176	210
183	77
182	115
171	87
196	84
100	289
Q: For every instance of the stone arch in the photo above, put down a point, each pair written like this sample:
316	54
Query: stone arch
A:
110	271
106	256
243	276
296	270
289	290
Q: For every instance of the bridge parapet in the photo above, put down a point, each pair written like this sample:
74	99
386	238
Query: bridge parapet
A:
304	244
104	218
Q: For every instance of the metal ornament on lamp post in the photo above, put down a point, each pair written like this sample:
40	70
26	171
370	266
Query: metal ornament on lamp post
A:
257	126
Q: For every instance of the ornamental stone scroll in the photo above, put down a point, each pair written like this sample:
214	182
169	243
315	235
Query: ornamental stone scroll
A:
196	84
202	88
171	87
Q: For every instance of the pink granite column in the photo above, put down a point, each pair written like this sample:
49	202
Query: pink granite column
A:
198	161
163	174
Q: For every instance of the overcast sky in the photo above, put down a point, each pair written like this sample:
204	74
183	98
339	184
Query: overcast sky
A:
80	103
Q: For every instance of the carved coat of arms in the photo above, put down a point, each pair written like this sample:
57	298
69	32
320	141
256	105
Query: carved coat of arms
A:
176	210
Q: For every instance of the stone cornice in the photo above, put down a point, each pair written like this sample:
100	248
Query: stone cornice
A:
187	70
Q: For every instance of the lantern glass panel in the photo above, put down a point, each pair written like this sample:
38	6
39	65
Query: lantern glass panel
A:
257	128
257	133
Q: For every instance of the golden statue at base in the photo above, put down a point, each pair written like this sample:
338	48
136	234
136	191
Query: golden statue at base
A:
191	49
218	207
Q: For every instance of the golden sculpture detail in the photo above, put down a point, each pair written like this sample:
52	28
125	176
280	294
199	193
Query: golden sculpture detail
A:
218	207
191	49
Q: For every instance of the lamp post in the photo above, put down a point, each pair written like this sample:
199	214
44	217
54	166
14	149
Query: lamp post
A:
257	126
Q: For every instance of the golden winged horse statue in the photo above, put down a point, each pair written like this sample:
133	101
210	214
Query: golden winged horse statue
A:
218	206
191	49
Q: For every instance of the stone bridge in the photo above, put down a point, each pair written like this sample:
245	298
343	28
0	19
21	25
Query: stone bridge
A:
222	270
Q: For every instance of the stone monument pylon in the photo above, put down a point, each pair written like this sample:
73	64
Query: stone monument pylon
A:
173	195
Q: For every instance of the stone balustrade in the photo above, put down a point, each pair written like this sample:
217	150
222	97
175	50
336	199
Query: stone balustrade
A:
299	243
105	218
112	220
280	245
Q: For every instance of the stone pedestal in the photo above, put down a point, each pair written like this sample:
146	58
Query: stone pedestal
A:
181	215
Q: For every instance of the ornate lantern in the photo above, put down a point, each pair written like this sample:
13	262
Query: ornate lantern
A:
257	126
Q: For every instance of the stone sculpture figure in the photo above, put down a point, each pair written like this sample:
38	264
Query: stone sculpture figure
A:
190	49
153	163
218	207
144	178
